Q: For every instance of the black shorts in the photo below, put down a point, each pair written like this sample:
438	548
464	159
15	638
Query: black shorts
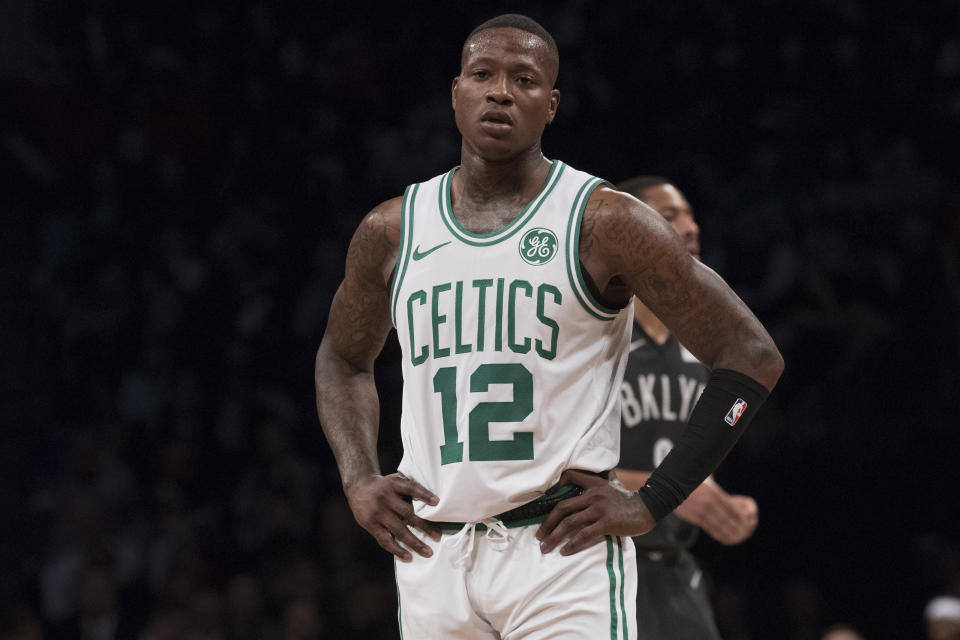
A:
672	599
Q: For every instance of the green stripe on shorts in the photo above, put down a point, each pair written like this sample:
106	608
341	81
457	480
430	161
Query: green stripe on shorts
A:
623	580
613	589
399	610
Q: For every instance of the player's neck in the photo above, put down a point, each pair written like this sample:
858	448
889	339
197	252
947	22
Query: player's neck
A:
650	323
481	182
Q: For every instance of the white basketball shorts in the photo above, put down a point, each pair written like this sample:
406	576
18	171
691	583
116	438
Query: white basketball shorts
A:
489	582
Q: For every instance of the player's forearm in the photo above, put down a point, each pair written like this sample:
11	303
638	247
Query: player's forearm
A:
726	407
349	411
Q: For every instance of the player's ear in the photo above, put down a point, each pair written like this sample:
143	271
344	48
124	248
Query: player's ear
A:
552	106
453	91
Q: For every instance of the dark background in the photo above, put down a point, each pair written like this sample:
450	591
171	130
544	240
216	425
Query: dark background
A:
181	182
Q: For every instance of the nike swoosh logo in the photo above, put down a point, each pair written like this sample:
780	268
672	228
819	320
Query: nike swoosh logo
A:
636	344
418	255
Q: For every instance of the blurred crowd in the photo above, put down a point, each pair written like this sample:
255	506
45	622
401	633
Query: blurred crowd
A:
183	180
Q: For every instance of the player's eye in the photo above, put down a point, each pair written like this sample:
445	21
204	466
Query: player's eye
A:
481	74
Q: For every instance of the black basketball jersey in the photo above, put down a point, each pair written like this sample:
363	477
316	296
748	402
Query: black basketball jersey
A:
659	389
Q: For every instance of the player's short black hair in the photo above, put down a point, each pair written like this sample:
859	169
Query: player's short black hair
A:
638	185
517	21
522	22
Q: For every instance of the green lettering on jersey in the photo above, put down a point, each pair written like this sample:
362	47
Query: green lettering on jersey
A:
512	316
458	321
481	312
421	296
550	352
438	319
498	336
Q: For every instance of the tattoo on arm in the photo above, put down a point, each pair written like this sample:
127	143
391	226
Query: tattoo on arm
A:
624	238
357	327
668	291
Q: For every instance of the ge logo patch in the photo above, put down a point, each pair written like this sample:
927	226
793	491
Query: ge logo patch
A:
538	246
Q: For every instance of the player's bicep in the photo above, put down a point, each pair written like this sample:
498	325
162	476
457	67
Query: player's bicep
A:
694	302
359	319
641	249
358	325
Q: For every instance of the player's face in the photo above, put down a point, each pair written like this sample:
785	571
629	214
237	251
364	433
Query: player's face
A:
504	96
670	203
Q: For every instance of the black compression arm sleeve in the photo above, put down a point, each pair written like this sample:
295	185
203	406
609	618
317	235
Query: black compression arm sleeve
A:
726	406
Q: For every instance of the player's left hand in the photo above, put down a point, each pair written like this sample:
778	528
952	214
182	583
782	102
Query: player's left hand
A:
601	510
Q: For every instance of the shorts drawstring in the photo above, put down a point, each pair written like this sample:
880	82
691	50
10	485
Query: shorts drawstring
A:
462	541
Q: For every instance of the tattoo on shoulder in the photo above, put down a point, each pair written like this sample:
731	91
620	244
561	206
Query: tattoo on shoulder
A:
608	226
381	228
376	241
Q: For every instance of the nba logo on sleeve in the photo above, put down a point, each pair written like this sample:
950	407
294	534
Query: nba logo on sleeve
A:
735	412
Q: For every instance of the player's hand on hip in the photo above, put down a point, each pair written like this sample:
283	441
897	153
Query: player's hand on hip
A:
382	506
601	510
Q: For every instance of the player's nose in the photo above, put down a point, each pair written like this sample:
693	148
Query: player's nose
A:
499	90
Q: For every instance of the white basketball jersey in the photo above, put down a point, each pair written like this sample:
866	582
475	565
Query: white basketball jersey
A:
511	368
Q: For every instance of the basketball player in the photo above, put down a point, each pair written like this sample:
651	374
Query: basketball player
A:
660	386
508	280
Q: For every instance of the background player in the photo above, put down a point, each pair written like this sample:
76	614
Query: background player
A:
662	382
516	272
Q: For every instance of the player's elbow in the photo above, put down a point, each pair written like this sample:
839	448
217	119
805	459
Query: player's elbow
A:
321	363
768	362
743	344
327	364
333	364
754	354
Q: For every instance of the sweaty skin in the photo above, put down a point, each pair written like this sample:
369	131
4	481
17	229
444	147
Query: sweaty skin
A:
503	99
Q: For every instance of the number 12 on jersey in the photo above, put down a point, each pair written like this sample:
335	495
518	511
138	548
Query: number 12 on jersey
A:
481	446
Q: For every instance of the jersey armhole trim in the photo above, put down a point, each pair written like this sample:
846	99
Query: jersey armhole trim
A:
406	243
577	283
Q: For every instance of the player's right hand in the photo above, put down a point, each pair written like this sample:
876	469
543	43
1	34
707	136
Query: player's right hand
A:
382	506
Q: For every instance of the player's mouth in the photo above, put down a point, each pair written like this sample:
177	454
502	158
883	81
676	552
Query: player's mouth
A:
496	122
